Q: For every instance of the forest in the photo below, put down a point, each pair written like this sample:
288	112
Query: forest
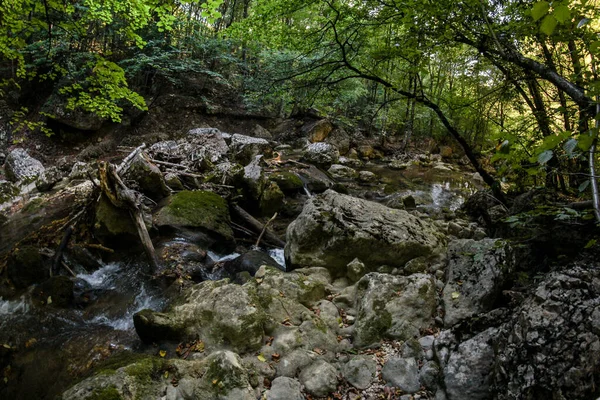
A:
175	169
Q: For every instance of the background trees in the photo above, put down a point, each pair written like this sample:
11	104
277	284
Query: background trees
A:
513	82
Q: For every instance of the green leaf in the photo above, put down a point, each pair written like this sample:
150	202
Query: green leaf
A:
562	13
591	243
548	25
584	142
545	156
455	295
540	9
584	185
570	146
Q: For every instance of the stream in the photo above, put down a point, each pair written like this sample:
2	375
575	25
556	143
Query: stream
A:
43	348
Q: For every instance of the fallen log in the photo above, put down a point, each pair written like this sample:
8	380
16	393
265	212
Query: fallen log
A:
257	226
123	197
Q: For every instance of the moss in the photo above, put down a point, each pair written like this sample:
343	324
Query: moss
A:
33	205
110	365
223	375
287	181
378	326
113	220
320	325
147	370
197	209
108	393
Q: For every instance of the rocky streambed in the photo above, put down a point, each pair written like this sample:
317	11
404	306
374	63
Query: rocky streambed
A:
381	291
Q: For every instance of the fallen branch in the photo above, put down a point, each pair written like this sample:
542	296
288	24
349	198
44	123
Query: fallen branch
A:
127	160
168	164
98	247
256	226
264	229
64	264
59	252
123	197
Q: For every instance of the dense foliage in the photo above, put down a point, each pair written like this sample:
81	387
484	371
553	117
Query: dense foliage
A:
514	82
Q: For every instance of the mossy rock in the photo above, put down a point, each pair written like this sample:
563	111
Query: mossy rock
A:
271	200
202	210
7	191
113	226
288	182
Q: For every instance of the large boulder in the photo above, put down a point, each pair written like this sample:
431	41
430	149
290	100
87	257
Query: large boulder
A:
468	371
321	153
334	229
198	210
551	343
245	148
395	307
114	226
476	274
340	139
19	165
217	312
318	131
148	178
221	375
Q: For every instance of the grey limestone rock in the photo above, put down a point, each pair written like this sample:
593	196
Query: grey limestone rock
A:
19	165
360	372
402	373
319	378
321	153
476	273
284	388
334	229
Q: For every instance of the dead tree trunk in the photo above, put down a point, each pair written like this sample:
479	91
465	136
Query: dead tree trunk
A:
122	197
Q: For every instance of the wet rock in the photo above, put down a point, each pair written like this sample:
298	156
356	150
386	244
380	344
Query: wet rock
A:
202	210
217	312
320	378
360	372
48	178
148	178
56	291
351	162
476	273
394	307
287	181
284	388
402	373
19	165
250	262
245	148
25	267
468	373
318	131
338	171
409	202
333	229
271	200
322	154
